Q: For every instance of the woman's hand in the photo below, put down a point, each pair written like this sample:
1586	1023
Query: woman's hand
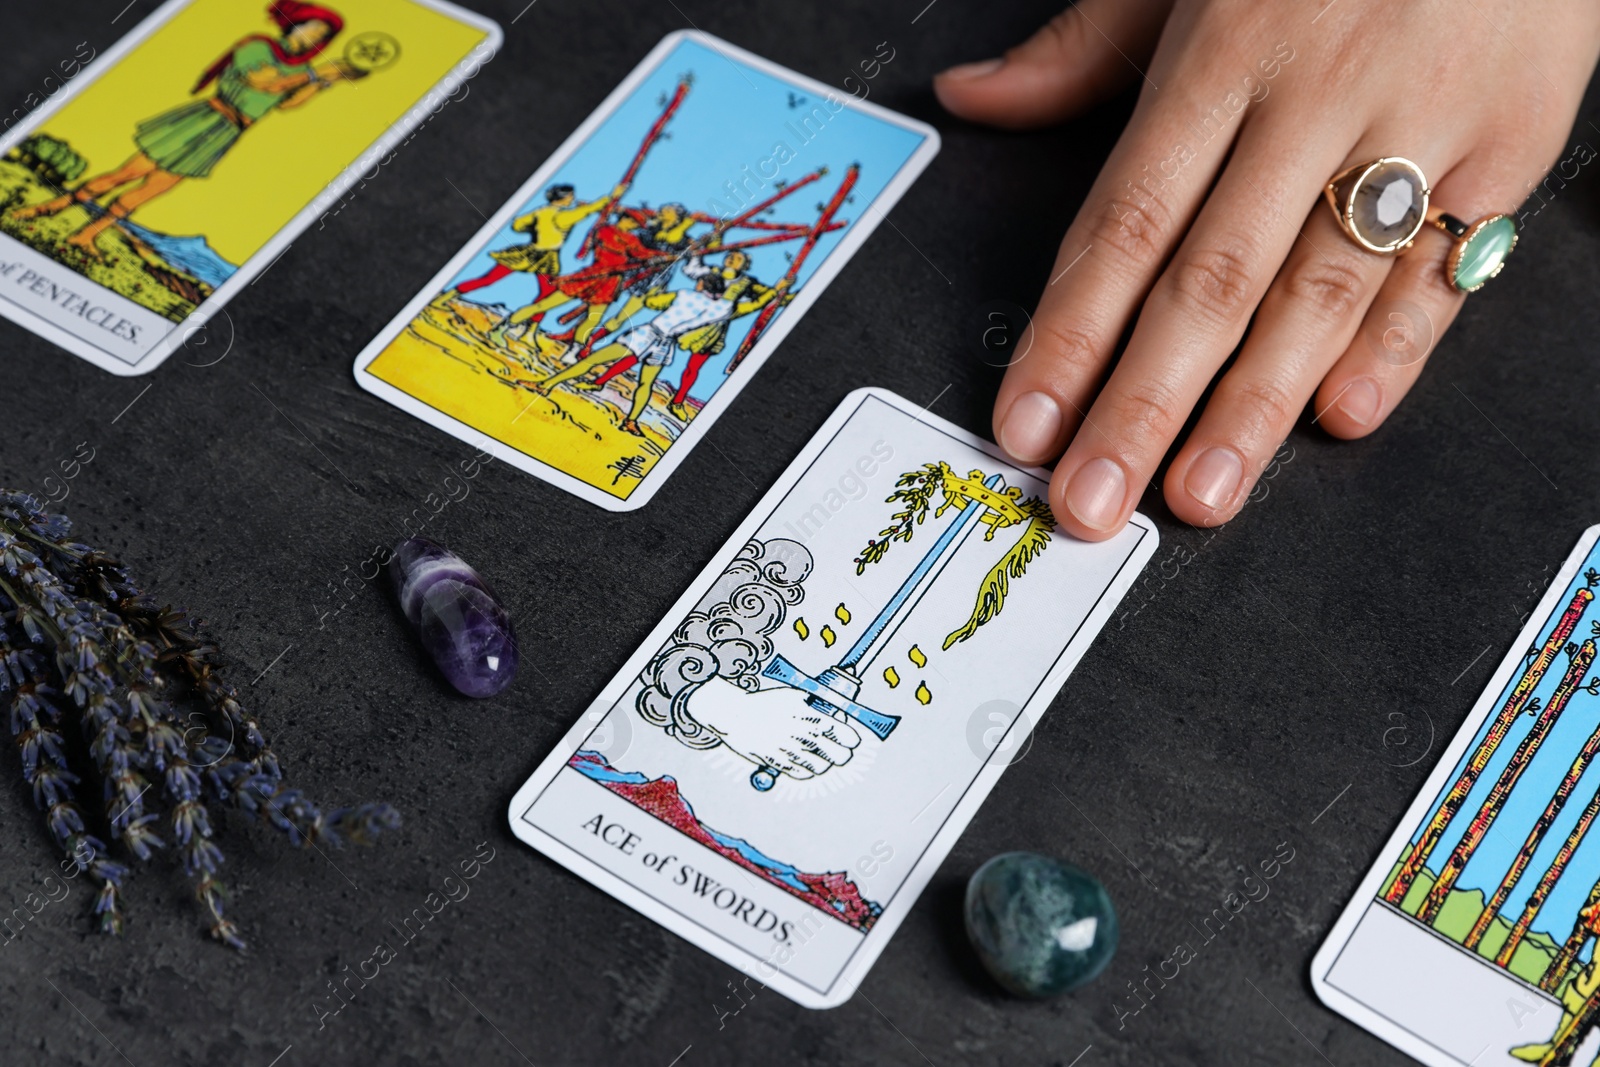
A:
1209	214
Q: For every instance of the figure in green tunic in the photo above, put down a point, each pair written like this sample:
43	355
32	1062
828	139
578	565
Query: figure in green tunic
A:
258	75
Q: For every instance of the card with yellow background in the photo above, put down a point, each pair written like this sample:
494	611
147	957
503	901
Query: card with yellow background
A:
605	316
186	159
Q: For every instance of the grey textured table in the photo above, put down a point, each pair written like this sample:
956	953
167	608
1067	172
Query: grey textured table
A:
1294	682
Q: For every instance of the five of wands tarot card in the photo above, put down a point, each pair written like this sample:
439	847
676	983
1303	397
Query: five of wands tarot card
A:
1472	939
779	769
173	170
602	319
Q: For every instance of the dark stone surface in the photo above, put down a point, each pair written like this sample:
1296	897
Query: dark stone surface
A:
1294	682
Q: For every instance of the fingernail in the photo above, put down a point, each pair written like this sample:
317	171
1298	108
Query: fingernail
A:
1360	401
1029	430
974	70
1095	492
1214	476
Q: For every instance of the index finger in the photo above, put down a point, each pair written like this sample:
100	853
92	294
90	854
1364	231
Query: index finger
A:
1136	213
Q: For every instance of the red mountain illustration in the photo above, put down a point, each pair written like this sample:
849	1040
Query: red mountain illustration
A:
833	893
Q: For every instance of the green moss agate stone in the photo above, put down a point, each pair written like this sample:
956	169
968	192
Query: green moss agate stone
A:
1040	926
1485	252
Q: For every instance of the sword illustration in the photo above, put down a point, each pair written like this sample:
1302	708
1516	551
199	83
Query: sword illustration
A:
834	690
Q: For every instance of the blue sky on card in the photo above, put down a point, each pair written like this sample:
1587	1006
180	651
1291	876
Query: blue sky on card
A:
726	130
1538	782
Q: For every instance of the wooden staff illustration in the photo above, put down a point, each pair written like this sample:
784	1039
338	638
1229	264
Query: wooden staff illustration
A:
824	222
1515	704
1451	871
1552	874
1541	826
650	138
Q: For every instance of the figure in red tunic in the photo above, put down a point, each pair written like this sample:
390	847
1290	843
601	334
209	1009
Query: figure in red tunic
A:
616	247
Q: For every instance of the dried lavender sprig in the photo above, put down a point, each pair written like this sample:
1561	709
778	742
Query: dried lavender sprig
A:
187	656
288	809
181	646
99	610
145	715
44	613
253	784
47	613
46	770
209	891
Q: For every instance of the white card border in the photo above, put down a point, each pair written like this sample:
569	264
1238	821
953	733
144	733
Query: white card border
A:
978	788
1366	895
280	242
866	222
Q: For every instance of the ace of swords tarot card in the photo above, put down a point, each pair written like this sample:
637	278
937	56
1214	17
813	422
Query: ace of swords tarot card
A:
602	319
1471	942
174	169
779	769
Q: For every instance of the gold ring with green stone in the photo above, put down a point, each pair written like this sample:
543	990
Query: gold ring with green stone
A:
1480	248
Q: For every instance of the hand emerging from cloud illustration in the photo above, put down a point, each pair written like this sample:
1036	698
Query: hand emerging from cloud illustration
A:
775	728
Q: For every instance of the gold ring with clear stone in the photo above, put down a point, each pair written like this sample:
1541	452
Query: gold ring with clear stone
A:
1381	204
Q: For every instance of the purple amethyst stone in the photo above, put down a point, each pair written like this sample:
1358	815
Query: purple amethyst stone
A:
459	621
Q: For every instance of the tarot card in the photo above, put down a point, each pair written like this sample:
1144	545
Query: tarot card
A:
603	318
182	163
777	772
1472	939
